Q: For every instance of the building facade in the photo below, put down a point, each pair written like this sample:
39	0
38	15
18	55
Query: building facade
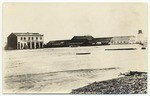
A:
90	41
81	41
57	43
103	41
123	40
25	41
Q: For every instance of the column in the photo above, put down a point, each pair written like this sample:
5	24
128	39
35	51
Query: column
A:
17	45
39	45
22	45
42	44
35	45
30	45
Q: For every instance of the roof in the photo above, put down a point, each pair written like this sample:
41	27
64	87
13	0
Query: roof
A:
83	37
122	36
58	41
28	34
103	39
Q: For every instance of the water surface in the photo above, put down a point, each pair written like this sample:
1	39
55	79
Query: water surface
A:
59	70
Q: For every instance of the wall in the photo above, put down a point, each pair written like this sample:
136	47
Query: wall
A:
123	40
26	42
12	41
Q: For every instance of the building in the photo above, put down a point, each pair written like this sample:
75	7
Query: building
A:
57	43
90	41
25	41
81	41
103	41
123	40
140	38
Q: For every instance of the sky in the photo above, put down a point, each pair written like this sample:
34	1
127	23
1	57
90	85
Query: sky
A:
57	21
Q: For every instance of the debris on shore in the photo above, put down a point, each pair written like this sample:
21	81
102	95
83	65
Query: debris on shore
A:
132	82
122	49
85	53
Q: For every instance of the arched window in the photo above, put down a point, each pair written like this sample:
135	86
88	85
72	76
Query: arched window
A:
21	38
36	38
28	38
32	38
121	42
24	38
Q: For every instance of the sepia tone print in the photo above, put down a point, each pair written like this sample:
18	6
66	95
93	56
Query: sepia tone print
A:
75	48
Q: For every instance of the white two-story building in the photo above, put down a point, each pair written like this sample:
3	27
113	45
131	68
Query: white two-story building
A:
25	41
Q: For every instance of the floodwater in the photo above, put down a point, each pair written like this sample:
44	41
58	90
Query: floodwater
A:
59	70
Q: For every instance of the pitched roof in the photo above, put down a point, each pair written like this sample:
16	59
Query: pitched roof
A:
83	37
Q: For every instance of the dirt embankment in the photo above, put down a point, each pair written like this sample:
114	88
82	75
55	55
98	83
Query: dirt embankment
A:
128	84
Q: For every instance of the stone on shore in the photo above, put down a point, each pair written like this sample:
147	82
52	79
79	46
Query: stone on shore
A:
131	84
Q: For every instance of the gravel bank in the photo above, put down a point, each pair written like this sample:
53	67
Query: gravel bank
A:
133	84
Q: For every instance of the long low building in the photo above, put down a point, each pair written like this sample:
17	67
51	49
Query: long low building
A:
91	41
123	40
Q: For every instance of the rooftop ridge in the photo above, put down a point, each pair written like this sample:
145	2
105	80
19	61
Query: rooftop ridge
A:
27	33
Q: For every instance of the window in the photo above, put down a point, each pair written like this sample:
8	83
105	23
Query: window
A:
40	38
21	38
36	38
24	38
32	38
28	38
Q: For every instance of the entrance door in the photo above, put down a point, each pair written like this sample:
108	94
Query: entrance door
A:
29	45
32	45
18	45
37	45
41	44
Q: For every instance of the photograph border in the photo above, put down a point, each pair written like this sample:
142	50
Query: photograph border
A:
107	1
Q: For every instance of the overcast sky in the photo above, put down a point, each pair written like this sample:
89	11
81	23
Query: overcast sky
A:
65	20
